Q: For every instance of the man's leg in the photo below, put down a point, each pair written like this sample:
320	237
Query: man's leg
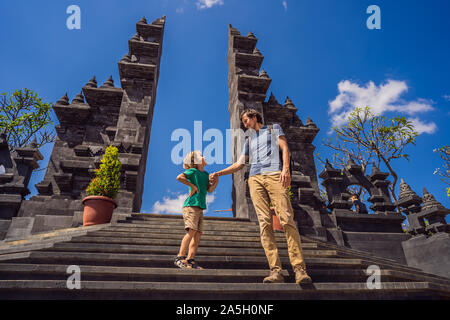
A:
279	197
260	200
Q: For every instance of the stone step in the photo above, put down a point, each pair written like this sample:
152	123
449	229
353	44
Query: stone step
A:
180	216
166	261
57	289
180	225
143	249
107	273
177	242
122	235
129	228
179	219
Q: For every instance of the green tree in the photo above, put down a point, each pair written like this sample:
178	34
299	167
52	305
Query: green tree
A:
368	137
444	172
23	117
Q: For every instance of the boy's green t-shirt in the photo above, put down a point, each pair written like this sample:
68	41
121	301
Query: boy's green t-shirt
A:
201	180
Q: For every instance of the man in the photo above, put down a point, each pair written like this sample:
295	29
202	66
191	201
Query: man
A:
268	182
359	206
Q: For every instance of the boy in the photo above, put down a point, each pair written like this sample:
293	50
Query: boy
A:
198	181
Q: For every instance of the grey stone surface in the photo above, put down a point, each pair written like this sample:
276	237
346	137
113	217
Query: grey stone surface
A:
102	115
97	117
429	246
17	167
145	270
248	87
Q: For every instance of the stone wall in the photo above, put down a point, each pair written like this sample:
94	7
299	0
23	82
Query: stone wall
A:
97	117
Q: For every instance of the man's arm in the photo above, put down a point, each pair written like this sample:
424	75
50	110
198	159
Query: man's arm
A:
233	168
285	176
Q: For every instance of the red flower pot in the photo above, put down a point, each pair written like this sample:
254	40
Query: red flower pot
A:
276	222
97	210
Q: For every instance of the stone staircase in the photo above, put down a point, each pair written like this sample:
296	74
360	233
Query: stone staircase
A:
133	259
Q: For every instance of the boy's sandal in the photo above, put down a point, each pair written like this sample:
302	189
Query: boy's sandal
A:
193	264
180	262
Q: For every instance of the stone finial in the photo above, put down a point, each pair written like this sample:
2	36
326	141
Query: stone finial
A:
160	21
64	100
288	103
429	201
310	123
126	58
251	35
108	83
256	51
405	190
143	20
136	37
351	162
33	143
375	169
263	74
233	31
92	83
79	98
272	99
328	165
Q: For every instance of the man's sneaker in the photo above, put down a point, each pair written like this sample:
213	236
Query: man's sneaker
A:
275	276
301	277
180	262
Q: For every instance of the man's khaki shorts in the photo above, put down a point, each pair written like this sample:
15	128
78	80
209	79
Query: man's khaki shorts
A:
193	218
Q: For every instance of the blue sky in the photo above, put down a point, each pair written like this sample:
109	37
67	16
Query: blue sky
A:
319	53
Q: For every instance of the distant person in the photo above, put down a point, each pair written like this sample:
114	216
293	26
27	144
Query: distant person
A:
360	207
199	183
268	181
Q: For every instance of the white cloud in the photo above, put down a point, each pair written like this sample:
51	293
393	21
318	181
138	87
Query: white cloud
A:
446	97
174	205
285	5
205	4
383	98
422	127
179	10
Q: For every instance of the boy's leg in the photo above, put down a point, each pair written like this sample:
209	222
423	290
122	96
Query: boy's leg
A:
198	221
193	246
190	226
260	200
187	239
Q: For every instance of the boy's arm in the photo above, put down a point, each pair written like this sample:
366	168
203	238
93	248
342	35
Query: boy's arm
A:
182	178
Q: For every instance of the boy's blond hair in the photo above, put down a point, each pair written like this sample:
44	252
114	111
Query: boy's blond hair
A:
192	160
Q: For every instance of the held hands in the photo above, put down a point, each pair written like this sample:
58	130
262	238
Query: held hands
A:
213	178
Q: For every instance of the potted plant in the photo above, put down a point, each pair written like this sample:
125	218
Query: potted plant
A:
276	222
102	190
